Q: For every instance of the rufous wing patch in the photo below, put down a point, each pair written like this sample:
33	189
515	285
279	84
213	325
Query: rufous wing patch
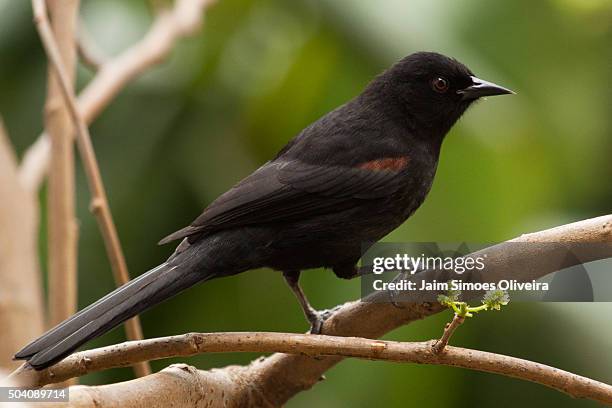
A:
386	163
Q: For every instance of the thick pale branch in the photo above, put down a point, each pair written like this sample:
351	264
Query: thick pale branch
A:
99	205
179	385
20	291
184	19
318	345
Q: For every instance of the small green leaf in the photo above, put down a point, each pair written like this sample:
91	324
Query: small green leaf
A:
495	299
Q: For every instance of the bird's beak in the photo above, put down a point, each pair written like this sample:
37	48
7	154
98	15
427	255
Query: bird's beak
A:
480	88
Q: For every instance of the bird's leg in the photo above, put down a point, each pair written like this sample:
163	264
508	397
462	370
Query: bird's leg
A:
315	318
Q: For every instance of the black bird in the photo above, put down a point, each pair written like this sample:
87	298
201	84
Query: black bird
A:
349	178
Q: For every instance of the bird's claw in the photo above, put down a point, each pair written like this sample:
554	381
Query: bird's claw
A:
317	318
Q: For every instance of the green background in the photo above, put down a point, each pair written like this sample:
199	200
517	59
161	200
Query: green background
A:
260	71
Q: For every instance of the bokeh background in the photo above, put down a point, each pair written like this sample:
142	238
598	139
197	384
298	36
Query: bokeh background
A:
259	72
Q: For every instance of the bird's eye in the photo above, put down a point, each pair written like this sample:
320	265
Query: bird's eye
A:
439	84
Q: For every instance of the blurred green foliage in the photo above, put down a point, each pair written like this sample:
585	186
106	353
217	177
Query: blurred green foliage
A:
259	72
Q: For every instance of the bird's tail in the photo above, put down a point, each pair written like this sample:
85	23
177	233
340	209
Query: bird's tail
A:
126	301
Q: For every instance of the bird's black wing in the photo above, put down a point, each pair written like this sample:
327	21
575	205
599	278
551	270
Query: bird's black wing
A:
284	191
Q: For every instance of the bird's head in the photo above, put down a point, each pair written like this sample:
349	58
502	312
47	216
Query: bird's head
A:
432	90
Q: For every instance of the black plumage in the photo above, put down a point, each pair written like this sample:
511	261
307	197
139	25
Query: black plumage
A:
347	179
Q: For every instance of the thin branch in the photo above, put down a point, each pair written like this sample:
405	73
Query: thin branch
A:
169	26
183	20
62	224
21	297
99	203
281	376
318	345
449	329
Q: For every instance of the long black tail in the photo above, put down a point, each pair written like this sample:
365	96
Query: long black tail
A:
126	301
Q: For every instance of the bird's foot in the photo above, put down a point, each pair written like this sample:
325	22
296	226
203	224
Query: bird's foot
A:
317	318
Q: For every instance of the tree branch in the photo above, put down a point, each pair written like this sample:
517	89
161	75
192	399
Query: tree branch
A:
62	224
99	202
273	380
9	383
449	329
315	346
183	20
20	292
281	376
35	164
